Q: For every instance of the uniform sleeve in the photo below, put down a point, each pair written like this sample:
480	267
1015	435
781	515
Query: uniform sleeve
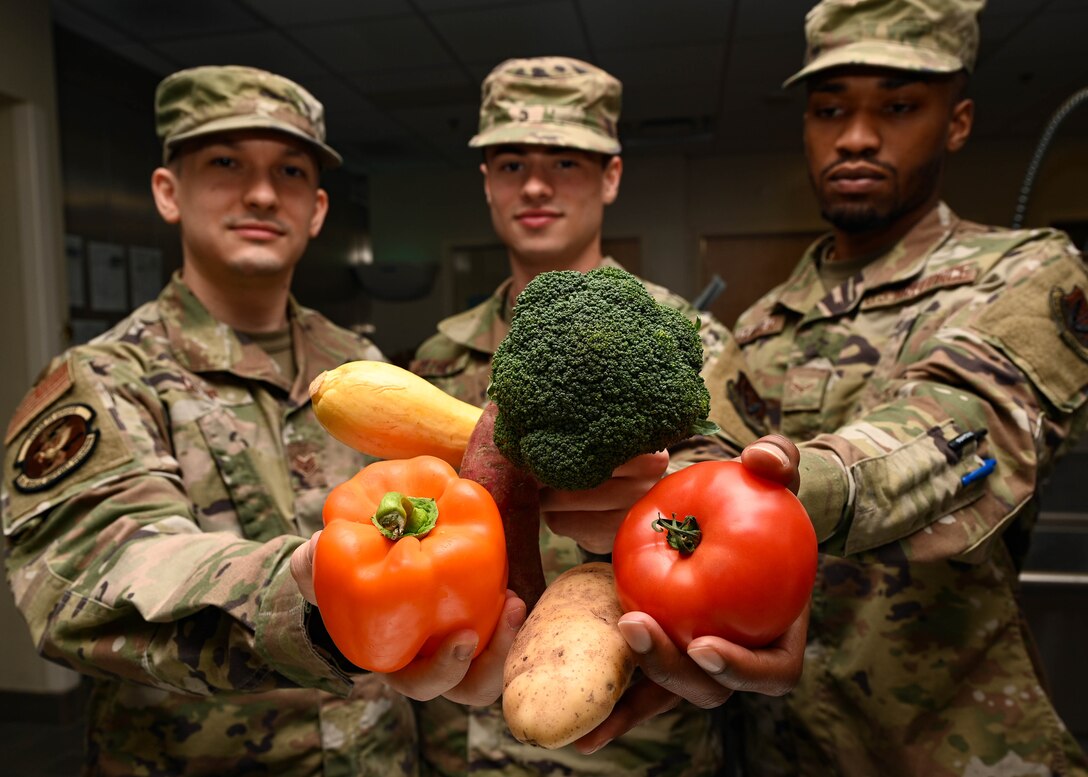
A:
984	400
115	578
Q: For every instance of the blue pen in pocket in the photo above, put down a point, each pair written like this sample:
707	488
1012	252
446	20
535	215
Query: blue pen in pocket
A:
980	473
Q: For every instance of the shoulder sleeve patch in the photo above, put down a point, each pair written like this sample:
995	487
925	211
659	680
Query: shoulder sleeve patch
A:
1041	323
67	447
1070	311
56	446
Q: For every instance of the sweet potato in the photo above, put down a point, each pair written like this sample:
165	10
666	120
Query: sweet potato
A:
569	664
517	494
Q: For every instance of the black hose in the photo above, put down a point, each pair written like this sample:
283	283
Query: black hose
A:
1040	151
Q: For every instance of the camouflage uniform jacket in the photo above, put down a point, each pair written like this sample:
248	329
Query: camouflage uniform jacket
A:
683	742
918	662
155	558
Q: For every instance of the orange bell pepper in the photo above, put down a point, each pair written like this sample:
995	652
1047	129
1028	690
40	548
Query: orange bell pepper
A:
410	554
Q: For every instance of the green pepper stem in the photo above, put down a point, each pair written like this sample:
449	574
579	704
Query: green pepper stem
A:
405	516
682	536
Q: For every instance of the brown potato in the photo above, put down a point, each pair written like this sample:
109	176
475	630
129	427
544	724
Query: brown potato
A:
569	664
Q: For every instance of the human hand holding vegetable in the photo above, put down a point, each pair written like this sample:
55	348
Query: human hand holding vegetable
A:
709	669
706	674
591	517
412	584
593	373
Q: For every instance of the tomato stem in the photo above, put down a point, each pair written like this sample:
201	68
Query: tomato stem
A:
682	536
405	516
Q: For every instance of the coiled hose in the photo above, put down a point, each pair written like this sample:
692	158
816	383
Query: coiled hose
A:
1036	162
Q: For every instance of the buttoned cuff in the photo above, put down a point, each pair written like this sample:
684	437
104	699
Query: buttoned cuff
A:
283	638
824	491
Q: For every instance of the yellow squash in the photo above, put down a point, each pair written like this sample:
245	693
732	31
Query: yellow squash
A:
385	411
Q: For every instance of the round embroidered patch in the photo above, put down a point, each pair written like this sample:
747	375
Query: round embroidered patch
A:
55	447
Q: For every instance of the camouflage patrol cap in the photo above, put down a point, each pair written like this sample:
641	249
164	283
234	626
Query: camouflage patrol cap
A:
219	98
553	101
928	36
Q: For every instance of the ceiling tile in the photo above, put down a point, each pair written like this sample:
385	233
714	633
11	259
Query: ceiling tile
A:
781	17
154	21
350	115
1016	8
1045	53
402	77
702	63
760	65
414	83
540	29
630	23
102	31
433	6
147	58
444	127
293	12
374	45
269	50
678	100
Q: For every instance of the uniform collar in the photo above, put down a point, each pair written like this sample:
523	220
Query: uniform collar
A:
804	294
483	327
203	344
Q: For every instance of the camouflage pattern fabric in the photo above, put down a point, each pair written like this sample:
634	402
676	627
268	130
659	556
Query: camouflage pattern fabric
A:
918	660
159	563
457	740
219	98
550	101
927	36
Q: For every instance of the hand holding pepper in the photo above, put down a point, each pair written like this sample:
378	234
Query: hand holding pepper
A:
409	575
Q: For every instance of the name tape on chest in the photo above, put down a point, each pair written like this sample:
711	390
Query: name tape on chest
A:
953	276
769	325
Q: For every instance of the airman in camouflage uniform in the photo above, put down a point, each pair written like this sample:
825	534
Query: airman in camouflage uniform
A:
566	105
158	479
935	368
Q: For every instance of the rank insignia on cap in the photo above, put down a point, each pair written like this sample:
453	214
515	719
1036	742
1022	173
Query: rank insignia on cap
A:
1070	310
55	447
749	405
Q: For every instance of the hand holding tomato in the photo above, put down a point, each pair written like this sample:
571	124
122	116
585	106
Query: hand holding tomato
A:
713	550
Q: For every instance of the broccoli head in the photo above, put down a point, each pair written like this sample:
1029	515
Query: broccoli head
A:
594	372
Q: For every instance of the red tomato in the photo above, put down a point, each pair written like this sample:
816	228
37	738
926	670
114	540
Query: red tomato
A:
750	573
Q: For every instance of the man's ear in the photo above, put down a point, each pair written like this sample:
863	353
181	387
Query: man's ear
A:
321	210
959	126
164	188
613	172
487	183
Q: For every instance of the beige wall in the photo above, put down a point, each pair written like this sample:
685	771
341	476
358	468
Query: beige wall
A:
33	298
670	202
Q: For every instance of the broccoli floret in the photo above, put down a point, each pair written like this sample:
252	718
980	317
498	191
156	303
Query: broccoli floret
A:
594	372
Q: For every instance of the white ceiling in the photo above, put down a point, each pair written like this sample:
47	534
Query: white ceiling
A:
400	78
